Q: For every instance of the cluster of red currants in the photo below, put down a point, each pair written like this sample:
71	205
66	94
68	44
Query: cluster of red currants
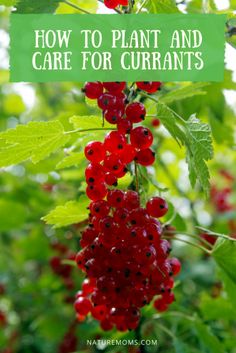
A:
3	319
62	270
109	160
124	256
220	199
125	259
69	342
112	4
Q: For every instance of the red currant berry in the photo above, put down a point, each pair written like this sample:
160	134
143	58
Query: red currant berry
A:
80	259
110	179
113	116
88	236
175	266
114	87
83	306
113	163
139	217
153	232
149	86
94	173
114	142
111	4
96	192
121	101
106	101
160	305
145	157
122	173
106	325
157	207
106	224
169	297
88	286
99	312
80	318
156	123
99	208
124	126
141	137
115	198
121	216
124	2
93	90
128	154
131	200
135	112
94	151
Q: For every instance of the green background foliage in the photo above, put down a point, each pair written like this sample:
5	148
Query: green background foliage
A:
42	197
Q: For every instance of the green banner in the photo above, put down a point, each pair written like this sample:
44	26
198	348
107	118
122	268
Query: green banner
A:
142	47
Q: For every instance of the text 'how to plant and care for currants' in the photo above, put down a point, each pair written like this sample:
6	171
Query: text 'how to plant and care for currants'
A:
87	47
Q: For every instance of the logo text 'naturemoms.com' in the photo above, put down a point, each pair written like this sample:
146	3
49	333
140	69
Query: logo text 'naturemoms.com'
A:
111	48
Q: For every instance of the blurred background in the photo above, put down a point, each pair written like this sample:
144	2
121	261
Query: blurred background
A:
36	299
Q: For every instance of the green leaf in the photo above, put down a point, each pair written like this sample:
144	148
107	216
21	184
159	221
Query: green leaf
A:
179	346
233	4
196	136
162	6
179	223
71	213
74	159
125	181
230	288
222	132
8	2
184	92
34	141
168	119
89	122
200	146
216	308
224	253
36	6
207	338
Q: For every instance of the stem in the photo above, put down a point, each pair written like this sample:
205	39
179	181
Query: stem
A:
190	243
87	130
76	7
179	190
166	330
142	6
175	313
69	262
217	235
153	183
130	6
191	236
139	337
172	111
136	177
205	6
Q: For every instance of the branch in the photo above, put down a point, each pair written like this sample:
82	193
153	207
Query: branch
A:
76	7
87	130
